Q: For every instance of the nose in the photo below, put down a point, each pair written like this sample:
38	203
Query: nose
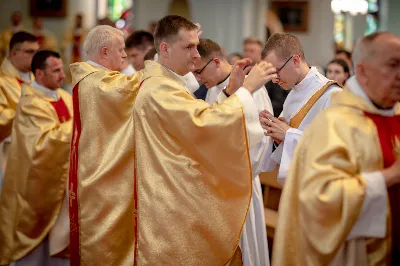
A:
196	54
124	55
62	75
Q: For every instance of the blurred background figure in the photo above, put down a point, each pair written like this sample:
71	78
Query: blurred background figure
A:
346	56
45	38
252	49
232	58
338	70
5	36
72	47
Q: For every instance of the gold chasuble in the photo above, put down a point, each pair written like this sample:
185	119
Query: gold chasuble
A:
192	174
35	179
102	167
10	92
325	189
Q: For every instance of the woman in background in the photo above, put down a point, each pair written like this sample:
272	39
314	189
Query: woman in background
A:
338	70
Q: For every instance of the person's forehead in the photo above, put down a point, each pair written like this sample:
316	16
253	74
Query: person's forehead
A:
53	61
188	36
30	44
252	45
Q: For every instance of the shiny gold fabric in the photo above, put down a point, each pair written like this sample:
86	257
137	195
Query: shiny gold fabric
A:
193	174
35	180
105	167
325	179
10	92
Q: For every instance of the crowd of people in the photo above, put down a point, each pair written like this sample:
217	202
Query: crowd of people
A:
155	156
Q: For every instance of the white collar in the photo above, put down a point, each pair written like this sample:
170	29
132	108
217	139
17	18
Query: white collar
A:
223	84
307	80
51	93
355	87
129	70
96	64
25	76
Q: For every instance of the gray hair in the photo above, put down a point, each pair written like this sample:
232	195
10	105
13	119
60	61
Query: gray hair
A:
99	37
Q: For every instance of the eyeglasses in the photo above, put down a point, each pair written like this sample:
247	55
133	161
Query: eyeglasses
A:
287	61
201	70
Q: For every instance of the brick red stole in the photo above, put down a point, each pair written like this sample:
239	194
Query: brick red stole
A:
388	129
73	182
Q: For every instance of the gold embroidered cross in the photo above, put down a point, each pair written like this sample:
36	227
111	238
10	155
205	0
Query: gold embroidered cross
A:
71	194
396	147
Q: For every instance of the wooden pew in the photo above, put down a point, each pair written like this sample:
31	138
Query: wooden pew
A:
271	194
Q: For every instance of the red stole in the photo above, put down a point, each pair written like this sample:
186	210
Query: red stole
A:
62	110
388	130
73	182
20	81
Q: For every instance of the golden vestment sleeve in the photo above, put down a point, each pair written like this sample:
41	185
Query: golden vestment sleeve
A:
193	174
10	92
324	193
102	167
7	108
35	179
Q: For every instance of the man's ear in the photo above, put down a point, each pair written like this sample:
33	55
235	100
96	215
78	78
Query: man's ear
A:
164	49
104	51
217	61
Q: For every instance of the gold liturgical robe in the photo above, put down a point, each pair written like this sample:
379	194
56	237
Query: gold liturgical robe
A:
326	188
35	179
10	92
102	166
192	174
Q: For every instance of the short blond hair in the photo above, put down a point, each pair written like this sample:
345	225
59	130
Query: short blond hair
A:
99	37
284	45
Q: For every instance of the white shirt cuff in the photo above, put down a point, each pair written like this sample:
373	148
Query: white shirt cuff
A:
255	132
371	221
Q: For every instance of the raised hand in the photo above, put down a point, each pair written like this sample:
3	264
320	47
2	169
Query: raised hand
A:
238	74
259	75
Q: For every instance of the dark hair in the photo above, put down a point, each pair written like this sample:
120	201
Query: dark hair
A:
342	63
284	45
168	28
150	54
140	40
39	59
21	37
342	51
209	49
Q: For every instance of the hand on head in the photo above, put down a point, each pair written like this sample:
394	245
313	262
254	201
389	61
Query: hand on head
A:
260	74
238	74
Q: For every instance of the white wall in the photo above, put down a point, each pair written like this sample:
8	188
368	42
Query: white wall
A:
318	41
226	22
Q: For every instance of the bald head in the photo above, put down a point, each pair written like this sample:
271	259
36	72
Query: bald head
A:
105	45
376	60
368	46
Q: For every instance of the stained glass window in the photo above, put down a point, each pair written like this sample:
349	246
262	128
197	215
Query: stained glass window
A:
115	8
372	19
